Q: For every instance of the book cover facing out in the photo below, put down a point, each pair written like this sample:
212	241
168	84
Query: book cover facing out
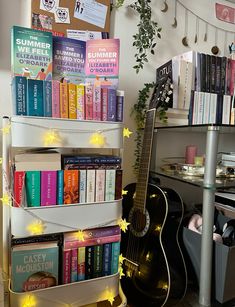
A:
69	59
102	61
34	266
31	53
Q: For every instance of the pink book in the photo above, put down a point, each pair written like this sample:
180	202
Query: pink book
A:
66	274
104	103
93	241
89	101
99	185
55	98
48	188
97	102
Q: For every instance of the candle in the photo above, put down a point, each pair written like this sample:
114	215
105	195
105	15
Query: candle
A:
190	153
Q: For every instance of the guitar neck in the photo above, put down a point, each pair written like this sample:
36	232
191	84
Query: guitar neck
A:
142	182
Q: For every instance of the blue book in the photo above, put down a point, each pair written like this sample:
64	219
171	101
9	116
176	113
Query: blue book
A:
107	252
112	105
35	97
115	257
19	95
34	266
60	187
47	98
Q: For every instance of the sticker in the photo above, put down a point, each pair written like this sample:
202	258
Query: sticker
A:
62	15
42	21
225	13
91	12
49	5
83	35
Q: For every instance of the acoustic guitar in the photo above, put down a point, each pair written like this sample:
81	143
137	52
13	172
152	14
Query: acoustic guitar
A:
154	268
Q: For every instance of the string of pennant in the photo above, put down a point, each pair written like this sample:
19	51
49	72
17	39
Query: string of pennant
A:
187	12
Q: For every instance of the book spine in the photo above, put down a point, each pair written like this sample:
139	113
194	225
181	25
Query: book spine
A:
107	253
60	187
72	101
203	72
71	180
55	99
200	107
89	102
206	108
74	264
89	160
115	257
99	185
97	261
81	262
228	77
48	188
35	98
208	72
118	184
90	195
232	77
218	75
66	276
89	262
82	186
32	186
224	62
213	108
80	101
195	108
19	182
120	105
91	166
213	74
92	241
64	103
226	109
219	109
110	184
19	95
104	103
190	114
47	98
112	101
97	102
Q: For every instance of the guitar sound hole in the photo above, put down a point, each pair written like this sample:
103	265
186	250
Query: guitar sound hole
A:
140	222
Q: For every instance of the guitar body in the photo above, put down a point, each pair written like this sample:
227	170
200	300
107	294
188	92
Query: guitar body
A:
155	272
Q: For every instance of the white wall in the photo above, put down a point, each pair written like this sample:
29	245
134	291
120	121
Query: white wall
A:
17	12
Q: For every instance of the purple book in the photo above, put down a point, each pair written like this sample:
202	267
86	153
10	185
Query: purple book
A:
112	104
48	188
69	59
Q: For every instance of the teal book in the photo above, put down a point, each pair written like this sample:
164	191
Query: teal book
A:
19	95
60	187
47	98
31	53
115	257
35	98
34	266
32	187
97	261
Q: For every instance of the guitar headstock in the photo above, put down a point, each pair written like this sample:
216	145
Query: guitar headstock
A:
162	93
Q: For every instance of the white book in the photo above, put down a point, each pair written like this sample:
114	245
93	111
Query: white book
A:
226	110
213	108
185	84
200	108
206	108
82	186
110	179
100	185
90	195
195	108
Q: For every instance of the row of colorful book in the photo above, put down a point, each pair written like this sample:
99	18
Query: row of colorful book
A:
48	188
49	260
199	72
211	108
66	100
95	256
39	55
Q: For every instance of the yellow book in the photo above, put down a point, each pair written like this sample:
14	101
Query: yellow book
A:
80	101
64	105
72	98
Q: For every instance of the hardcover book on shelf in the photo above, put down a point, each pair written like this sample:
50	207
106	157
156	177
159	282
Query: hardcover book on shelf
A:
31	53
81	262
102	61
35	98
69	59
34	266
71	186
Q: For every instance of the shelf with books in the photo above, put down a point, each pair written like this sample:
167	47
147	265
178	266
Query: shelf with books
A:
64	218
74	294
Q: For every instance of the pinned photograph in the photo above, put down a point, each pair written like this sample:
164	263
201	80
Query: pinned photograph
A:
62	15
49	5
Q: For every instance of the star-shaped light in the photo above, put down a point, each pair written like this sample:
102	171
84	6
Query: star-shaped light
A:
29	301
153	196
124	192
158	228
36	227
110	297
123	224
52	137
6	199
127	132
0	161
121	273
121	259
97	139
6	130
80	235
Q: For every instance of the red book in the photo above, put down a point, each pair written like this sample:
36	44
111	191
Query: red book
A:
19	177
66	274
118	184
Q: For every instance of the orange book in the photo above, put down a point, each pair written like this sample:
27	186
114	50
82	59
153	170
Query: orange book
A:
64	103
71	186
72	97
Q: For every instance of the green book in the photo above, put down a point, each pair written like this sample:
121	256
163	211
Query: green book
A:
32	188
115	257
98	260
